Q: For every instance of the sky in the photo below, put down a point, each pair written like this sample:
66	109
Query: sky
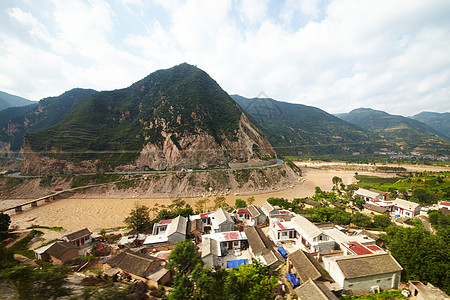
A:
335	55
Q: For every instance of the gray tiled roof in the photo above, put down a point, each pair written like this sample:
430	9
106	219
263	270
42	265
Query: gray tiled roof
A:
312	290
134	262
58	249
355	266
78	234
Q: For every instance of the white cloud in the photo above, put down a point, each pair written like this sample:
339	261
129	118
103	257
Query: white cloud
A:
337	55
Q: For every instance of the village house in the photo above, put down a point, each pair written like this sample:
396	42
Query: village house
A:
312	290
167	232
420	291
405	208
376	209
221	221
148	269
364	273
269	210
352	244
80	238
210	252
257	217
242	214
311	237
368	195
262	248
58	253
309	203
306	267
232	241
195	230
282	231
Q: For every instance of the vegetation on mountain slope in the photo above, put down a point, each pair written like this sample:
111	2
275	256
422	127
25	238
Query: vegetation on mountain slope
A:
409	135
438	121
15	122
296	129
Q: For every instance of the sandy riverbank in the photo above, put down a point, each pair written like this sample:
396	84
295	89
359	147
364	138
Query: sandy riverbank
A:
76	213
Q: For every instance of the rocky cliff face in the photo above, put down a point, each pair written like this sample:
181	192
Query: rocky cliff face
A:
202	151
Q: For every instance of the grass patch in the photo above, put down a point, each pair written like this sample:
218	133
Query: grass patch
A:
21	247
54	228
84	180
389	295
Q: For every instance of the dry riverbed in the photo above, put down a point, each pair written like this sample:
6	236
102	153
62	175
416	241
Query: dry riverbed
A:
76	213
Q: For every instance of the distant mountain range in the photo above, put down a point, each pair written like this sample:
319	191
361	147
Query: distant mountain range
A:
8	100
15	122
296	129
438	121
180	117
406	133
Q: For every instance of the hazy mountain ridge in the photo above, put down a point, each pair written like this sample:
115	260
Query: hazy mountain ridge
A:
438	121
173	118
8	100
408	134
15	122
297	129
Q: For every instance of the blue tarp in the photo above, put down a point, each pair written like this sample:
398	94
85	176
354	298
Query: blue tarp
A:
397	216
282	252
236	263
292	278
105	259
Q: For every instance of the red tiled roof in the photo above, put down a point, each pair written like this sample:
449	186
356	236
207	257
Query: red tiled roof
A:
285	212
243	211
373	247
164	222
280	225
204	215
357	248
230	236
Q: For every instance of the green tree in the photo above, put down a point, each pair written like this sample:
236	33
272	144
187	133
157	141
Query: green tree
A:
336	180
423	196
5	221
358	201
6	257
139	218
38	284
250	282
209	282
351	188
184	257
361	220
250	200
220	202
107	293
423	256
239	203
182	288
382	221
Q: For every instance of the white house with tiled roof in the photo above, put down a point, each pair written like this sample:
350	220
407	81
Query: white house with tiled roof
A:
405	208
167	232
364	273
312	237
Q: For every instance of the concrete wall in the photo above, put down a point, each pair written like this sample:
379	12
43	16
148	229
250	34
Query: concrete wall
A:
176	237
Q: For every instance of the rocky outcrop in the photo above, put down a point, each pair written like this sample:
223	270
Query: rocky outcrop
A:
37	164
201	151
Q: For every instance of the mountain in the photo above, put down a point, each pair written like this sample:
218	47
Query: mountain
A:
296	129
438	121
15	122
172	119
8	100
408	134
